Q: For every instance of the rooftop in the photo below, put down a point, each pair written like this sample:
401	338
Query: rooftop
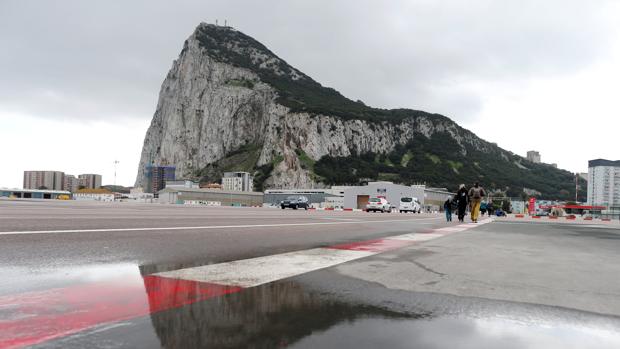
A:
208	190
46	191
603	162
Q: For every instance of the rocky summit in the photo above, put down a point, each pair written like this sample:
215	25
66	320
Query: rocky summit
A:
229	103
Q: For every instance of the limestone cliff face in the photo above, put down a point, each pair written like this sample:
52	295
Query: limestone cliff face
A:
225	91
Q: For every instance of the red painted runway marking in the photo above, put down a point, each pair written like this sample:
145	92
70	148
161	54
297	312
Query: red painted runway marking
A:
36	317
378	245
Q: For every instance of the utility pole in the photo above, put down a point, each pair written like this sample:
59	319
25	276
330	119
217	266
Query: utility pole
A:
116	162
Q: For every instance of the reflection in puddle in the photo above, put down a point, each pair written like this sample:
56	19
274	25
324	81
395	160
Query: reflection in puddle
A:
135	308
19	279
457	333
283	315
269	316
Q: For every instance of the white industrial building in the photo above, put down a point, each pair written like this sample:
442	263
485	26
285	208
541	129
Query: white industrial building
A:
94	195
237	181
215	197
180	184
604	183
430	198
320	197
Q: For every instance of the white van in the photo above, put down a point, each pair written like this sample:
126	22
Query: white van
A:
409	204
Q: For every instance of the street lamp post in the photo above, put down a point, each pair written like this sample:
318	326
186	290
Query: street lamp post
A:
116	162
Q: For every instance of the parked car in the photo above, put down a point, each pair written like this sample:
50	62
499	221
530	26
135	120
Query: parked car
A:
378	204
295	202
409	204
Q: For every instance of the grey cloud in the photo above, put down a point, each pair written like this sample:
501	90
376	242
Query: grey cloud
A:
102	60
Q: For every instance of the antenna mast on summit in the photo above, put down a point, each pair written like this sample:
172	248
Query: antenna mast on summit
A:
216	22
226	23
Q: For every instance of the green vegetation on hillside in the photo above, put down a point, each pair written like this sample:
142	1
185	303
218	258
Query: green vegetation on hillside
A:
242	159
241	83
438	161
300	95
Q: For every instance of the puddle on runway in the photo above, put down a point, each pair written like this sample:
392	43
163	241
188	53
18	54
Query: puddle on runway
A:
285	315
456	333
21	279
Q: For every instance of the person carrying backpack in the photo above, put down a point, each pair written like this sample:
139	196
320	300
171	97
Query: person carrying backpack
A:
476	193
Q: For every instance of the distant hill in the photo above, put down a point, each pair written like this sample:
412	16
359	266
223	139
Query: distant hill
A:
117	188
229	103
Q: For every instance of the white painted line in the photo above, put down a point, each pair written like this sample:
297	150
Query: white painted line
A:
416	237
211	227
257	271
341	219
261	270
451	229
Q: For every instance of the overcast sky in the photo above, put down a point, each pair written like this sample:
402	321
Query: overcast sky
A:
79	79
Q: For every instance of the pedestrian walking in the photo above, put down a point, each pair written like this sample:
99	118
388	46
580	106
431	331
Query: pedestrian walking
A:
461	202
476	193
483	208
447	206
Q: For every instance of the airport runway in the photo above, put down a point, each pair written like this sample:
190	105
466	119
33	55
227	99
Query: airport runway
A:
121	275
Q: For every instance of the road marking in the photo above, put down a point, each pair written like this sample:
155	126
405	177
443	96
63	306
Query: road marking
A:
418	237
261	270
106	230
36	317
341	219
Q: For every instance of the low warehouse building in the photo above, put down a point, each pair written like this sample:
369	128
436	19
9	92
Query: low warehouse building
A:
35	194
357	197
317	197
429	198
435	197
94	195
213	196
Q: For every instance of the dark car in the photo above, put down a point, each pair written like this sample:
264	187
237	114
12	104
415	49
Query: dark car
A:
295	202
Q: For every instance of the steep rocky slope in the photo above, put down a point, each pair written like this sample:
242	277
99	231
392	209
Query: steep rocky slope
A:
228	103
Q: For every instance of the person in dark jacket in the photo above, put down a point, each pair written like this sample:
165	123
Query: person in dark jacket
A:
461	202
447	206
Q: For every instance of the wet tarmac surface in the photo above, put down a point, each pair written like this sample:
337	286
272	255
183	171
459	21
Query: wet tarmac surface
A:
288	314
499	286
